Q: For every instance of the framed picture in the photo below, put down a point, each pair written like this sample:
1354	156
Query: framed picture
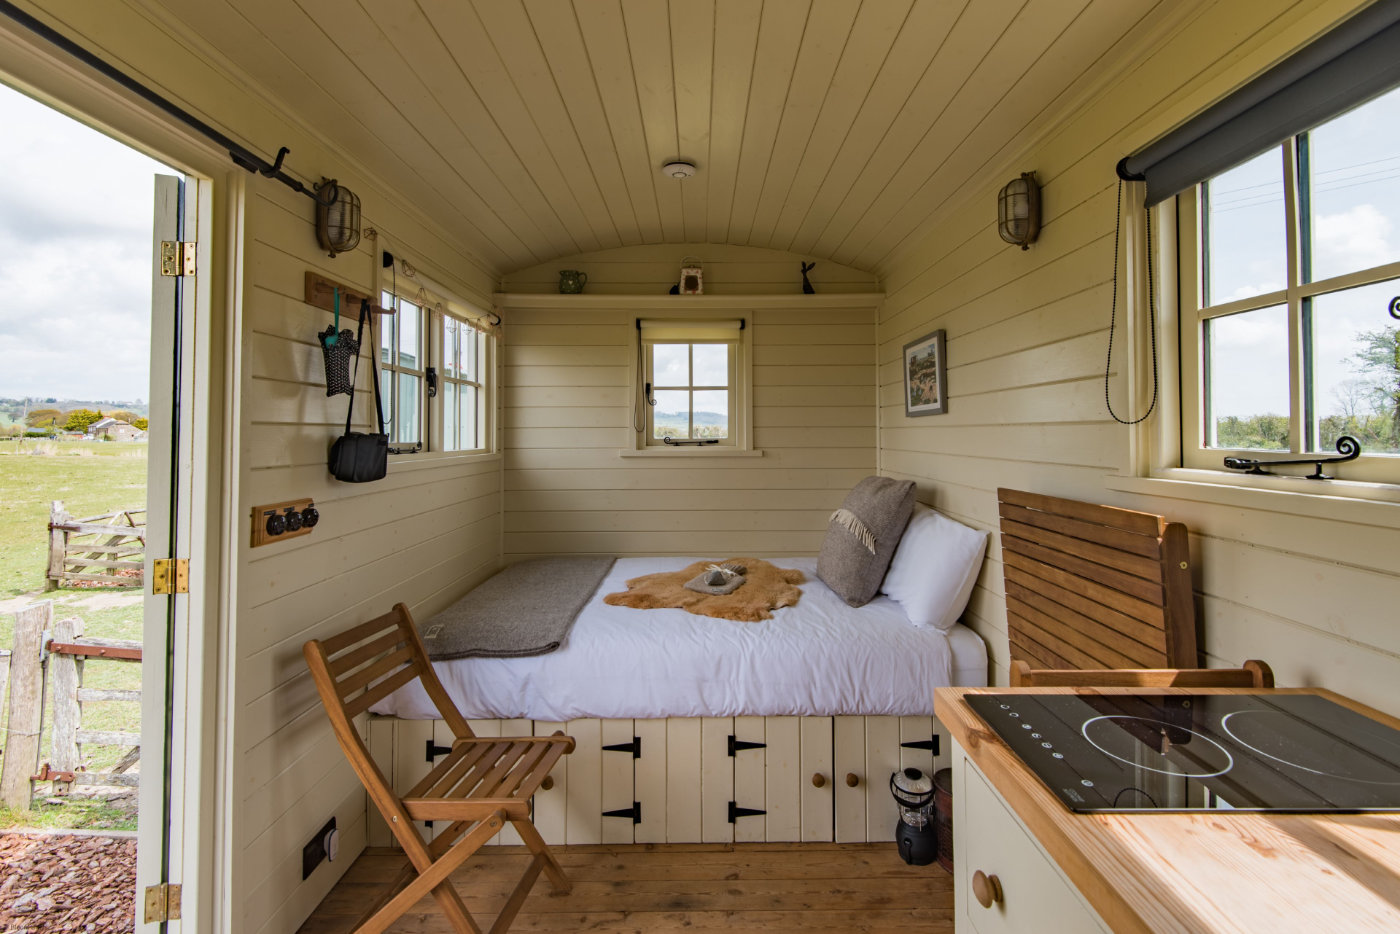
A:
925	376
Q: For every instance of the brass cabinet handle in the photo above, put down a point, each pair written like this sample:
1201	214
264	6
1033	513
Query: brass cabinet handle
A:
548	783
852	779
986	889
818	780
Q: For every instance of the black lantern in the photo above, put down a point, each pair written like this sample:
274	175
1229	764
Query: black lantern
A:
1018	211
916	833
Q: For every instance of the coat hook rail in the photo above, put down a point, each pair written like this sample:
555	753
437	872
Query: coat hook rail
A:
241	155
1348	449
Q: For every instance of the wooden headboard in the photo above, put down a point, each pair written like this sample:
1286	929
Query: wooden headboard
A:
1095	586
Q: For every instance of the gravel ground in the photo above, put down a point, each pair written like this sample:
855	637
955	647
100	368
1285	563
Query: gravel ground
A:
57	883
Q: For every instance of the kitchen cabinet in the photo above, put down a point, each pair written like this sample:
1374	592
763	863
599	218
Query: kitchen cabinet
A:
1190	872
1025	891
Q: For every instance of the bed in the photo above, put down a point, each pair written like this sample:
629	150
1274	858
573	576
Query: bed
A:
819	658
694	729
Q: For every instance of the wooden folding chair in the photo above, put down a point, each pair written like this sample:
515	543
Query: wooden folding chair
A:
477	787
1253	674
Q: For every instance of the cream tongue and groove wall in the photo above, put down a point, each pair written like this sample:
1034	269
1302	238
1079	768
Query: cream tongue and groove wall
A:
1312	592
568	411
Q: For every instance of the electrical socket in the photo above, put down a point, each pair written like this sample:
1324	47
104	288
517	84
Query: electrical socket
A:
317	849
297	517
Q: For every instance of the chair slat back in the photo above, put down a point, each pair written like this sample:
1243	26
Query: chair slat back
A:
356	669
1095	587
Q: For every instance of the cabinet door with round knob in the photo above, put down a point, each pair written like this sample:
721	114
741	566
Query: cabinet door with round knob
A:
1007	883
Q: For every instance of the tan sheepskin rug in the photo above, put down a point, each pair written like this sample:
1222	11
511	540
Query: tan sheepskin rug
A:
767	588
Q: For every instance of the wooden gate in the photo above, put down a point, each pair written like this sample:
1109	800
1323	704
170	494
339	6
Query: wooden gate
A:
109	548
49	658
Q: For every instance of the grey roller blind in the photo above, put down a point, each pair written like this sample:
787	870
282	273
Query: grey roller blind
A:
1354	62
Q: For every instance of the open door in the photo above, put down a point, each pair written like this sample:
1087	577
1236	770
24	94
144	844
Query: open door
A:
167	602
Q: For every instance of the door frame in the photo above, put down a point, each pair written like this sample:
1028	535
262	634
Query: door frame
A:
202	834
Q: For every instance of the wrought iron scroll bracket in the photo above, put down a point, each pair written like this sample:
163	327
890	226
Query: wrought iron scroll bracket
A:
1348	449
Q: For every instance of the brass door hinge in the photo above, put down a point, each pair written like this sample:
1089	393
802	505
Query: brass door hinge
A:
177	258
170	575
162	903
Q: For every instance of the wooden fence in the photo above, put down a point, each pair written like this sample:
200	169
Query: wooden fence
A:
109	548
50	657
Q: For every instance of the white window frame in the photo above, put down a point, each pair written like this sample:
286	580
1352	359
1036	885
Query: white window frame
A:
1189	248
434	310
692	331
482	355
390	367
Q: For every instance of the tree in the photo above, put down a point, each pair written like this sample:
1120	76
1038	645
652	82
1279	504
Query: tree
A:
42	418
81	420
1379	357
141	423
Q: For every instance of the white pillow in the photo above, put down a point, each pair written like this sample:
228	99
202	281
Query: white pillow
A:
934	568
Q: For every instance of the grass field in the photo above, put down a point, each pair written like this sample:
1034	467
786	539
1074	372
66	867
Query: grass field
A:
90	478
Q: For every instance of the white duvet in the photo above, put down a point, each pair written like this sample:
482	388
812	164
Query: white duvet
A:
818	658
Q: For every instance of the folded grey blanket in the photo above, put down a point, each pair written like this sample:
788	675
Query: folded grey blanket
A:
525	609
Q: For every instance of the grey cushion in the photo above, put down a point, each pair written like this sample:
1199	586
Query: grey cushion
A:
874	514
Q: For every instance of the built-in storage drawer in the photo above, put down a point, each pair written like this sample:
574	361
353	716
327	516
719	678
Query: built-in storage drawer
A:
1005	883
693	779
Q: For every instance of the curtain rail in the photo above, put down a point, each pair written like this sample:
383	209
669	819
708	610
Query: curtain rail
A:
240	154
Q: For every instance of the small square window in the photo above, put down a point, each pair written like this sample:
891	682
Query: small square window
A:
691	392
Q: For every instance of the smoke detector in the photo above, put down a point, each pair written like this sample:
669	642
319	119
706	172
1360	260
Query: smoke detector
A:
678	169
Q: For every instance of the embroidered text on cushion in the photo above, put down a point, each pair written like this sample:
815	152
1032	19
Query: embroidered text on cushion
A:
877	508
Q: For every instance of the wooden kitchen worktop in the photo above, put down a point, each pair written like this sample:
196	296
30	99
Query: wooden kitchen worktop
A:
1201	871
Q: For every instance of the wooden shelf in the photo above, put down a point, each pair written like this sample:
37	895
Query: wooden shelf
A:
633	301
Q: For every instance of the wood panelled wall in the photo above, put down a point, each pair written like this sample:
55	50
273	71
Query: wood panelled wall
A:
729	270
568	415
1312	592
424	536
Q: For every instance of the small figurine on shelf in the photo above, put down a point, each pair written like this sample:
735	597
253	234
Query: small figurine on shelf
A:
807	283
692	277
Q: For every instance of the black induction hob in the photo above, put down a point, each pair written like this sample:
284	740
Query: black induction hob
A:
1257	752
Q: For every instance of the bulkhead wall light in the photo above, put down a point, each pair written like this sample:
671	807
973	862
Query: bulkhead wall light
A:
1018	211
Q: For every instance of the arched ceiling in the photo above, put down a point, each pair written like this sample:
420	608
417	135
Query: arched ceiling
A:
535	128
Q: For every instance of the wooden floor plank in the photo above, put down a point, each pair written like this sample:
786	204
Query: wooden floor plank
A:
811	888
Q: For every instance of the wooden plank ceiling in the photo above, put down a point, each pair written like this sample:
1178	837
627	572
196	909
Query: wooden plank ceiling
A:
536	128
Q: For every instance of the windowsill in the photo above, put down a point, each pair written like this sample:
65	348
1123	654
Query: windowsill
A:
432	459
690	451
1341	500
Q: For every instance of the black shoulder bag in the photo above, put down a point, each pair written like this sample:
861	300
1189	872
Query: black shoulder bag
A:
356	456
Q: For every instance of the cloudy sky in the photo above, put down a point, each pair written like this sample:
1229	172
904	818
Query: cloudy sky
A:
75	258
1354	165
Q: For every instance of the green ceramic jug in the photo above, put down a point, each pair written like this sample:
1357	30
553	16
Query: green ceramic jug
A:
571	281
